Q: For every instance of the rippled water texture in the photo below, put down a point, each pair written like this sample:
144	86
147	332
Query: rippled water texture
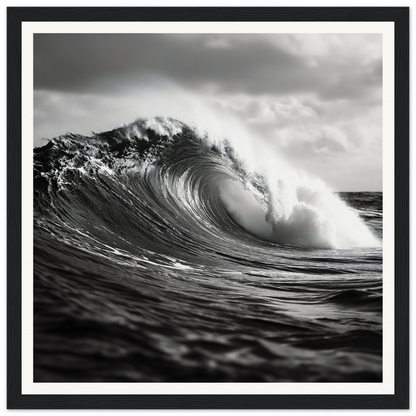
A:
143	272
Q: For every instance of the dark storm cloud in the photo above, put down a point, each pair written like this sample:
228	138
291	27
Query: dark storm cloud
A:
78	61
227	63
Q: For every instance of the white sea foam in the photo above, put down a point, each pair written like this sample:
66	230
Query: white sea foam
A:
305	214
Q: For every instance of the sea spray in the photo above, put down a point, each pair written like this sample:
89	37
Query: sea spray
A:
292	207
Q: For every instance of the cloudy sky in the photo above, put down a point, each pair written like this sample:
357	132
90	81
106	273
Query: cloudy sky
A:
316	99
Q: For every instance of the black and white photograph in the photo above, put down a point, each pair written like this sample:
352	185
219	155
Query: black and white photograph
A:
208	207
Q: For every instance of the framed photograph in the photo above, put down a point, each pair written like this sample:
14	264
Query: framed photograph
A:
208	208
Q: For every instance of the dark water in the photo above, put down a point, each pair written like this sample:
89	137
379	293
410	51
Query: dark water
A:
142	275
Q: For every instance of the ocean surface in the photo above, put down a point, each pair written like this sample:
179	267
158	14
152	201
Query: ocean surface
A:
163	255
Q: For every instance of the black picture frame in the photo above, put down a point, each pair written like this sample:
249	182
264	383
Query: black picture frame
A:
398	15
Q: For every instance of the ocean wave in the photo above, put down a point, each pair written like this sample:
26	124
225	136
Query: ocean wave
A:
164	165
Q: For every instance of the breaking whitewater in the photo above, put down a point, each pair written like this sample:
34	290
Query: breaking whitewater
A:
166	254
